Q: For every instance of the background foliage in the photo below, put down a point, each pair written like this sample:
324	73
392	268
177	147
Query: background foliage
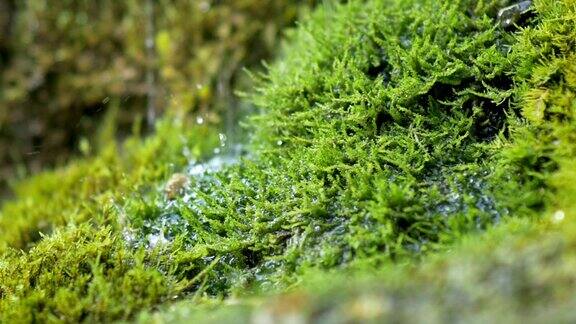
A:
64	64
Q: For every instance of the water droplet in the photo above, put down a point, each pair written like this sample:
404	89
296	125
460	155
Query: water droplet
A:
150	42
204	6
558	216
155	240
222	138
106	100
199	120
405	41
279	142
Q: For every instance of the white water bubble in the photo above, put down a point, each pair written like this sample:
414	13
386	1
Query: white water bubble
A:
558	216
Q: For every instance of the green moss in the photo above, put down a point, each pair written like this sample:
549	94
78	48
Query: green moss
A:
519	271
375	143
391	132
79	273
63	256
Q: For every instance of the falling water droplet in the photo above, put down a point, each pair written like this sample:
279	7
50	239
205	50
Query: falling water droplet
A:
199	120
149	42
106	100
222	138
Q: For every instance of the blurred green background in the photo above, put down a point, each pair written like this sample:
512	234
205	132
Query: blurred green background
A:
75	74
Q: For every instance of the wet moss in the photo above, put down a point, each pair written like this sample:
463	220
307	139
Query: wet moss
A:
393	134
518	270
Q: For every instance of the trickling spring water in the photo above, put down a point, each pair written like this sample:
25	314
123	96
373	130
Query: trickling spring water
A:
164	228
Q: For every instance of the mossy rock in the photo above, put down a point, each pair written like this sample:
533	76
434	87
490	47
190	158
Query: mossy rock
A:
412	162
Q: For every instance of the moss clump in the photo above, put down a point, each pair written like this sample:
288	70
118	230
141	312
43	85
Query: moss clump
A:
389	129
88	274
375	143
519	271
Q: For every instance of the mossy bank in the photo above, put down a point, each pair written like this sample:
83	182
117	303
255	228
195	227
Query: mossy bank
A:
412	160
